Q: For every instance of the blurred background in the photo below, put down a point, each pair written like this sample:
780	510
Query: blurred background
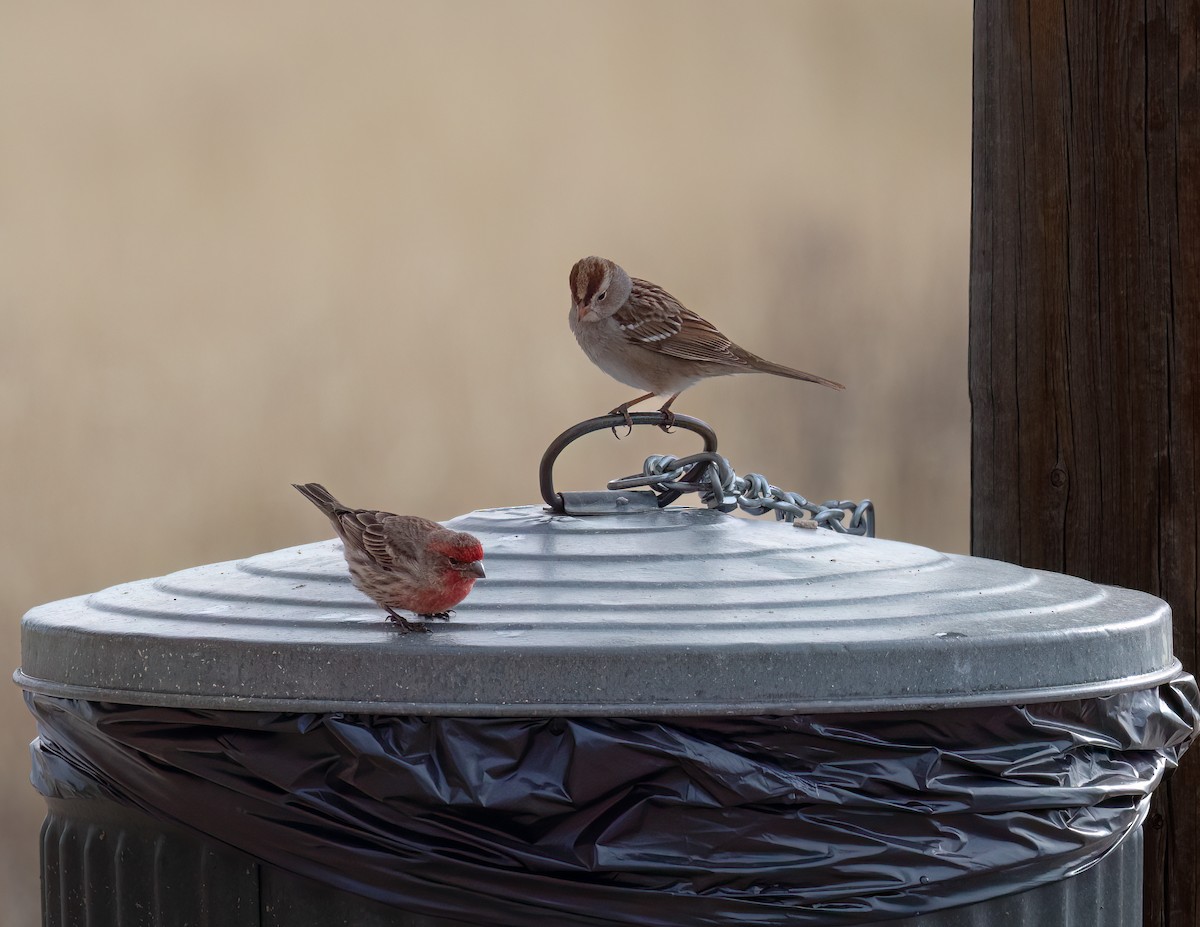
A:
246	245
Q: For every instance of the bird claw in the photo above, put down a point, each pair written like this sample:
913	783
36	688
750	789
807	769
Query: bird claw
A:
623	411
668	422
445	616
403	625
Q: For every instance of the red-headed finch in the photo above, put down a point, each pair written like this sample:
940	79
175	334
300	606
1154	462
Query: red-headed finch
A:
402	561
640	334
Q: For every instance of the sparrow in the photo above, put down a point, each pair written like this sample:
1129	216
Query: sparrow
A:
402	561
641	335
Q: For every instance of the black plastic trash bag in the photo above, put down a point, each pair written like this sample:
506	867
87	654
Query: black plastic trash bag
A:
811	819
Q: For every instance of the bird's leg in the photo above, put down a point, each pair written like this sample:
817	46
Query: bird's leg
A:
623	411
403	623
667	414
445	616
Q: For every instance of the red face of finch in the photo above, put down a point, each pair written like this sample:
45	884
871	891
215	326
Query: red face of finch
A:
640	334
402	561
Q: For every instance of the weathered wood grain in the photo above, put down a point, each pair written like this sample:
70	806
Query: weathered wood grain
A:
1085	324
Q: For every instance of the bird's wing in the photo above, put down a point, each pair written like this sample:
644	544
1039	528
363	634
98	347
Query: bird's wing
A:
659	322
364	529
404	537
375	543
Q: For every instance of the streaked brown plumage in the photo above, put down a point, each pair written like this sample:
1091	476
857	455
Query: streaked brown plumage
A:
640	334
402	561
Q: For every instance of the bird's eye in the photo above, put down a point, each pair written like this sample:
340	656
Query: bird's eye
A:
600	296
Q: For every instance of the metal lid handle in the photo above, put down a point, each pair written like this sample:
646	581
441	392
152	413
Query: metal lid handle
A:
575	432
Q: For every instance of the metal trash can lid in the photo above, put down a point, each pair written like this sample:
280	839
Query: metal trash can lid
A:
674	612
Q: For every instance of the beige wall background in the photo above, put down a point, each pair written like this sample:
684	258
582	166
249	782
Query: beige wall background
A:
248	244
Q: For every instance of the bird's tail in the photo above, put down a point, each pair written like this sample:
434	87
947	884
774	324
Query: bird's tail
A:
321	497
765	366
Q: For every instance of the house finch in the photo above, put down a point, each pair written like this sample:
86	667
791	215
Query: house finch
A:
402	561
640	334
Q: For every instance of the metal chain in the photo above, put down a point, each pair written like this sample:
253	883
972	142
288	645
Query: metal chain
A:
710	475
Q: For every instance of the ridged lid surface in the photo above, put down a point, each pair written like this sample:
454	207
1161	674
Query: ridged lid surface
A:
682	611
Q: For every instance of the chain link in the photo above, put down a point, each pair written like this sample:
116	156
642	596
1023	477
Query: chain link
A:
719	487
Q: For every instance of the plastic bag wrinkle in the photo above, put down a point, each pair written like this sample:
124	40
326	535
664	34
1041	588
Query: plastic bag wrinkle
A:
800	820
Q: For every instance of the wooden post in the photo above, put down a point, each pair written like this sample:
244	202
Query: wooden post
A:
1085	325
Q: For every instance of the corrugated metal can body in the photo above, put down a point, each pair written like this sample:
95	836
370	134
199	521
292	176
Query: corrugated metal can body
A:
142	873
658	616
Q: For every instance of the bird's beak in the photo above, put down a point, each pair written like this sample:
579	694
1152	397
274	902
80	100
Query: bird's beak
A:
476	567
584	313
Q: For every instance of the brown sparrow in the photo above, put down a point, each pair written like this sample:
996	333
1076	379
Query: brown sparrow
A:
640	334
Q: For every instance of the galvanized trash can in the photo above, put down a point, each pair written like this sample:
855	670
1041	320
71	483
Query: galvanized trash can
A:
675	717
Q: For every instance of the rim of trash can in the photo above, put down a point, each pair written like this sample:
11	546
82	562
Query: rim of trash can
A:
669	613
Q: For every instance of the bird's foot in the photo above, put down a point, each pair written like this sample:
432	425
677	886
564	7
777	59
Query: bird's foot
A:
403	625
445	616
668	422
623	411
